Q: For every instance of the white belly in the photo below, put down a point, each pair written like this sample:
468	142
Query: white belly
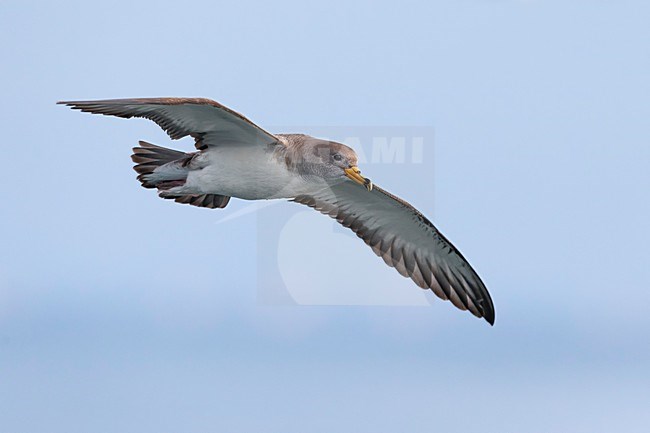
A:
246	172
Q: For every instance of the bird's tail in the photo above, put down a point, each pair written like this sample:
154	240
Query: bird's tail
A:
156	165
167	170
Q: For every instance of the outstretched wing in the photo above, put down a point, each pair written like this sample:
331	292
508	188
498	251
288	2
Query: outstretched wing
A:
210	123
407	241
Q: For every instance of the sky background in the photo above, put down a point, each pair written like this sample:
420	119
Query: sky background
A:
123	312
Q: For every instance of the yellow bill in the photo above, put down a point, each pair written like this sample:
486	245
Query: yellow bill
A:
355	174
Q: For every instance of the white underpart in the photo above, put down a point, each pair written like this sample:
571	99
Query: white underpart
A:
171	171
246	172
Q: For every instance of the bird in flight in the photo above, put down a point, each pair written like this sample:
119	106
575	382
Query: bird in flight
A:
236	158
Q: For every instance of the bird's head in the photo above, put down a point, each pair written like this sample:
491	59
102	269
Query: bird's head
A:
332	161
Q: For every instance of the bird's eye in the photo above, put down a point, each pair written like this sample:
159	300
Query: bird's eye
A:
337	157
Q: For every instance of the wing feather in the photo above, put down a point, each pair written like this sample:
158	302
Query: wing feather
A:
207	121
406	241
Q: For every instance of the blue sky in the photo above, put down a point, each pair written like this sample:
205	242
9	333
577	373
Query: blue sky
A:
123	312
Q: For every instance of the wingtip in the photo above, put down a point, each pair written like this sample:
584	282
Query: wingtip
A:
74	104
489	318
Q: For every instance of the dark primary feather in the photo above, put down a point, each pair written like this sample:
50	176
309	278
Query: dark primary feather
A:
407	241
207	121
